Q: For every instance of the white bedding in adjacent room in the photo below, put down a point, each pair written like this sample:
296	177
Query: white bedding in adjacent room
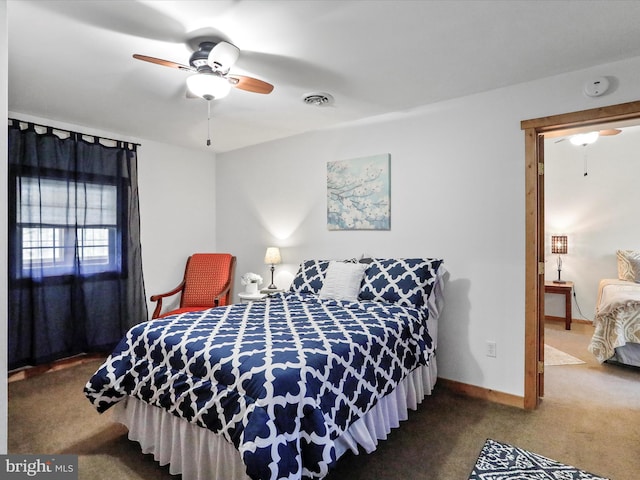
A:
617	321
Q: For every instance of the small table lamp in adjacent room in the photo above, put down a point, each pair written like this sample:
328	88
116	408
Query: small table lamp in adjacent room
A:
559	245
272	257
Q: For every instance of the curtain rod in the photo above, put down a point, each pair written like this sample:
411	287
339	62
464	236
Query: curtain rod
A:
71	132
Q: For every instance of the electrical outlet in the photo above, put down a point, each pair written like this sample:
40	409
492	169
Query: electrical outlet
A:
491	349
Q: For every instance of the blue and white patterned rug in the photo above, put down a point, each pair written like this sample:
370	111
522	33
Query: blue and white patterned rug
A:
500	461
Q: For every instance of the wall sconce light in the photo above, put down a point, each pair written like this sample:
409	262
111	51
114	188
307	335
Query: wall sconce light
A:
559	246
272	257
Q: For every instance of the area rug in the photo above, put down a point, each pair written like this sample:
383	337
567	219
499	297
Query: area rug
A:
500	461
553	356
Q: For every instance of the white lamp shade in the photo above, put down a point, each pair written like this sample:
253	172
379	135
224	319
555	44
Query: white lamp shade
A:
208	85
272	256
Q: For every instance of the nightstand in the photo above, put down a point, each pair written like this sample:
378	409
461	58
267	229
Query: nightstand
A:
251	297
565	289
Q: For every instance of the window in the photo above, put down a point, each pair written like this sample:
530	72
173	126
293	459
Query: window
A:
66	226
74	253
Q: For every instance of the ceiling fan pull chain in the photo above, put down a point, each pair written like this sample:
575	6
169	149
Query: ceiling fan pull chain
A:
585	160
208	123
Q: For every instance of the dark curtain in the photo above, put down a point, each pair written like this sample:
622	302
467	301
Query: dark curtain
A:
75	265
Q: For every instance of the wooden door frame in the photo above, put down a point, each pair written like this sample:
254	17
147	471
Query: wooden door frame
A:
535	130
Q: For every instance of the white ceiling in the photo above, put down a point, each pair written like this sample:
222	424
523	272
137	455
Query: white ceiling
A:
71	61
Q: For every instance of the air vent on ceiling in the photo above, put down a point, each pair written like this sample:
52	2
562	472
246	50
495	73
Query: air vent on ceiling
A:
319	99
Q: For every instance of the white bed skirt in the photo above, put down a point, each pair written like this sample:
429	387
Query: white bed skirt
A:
200	454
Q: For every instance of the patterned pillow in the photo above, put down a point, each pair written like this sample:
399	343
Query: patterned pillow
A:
629	265
404	281
310	276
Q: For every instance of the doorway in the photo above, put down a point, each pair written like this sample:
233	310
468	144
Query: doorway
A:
535	131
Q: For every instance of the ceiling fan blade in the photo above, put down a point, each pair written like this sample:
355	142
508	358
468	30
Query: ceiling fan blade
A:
223	56
250	84
610	131
164	63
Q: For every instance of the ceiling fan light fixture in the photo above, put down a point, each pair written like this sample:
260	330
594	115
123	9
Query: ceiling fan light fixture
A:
584	138
223	56
208	85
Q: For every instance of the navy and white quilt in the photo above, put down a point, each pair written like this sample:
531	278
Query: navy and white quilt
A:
280	379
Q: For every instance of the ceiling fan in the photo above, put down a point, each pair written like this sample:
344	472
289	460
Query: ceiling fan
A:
211	80
585	139
210	64
590	137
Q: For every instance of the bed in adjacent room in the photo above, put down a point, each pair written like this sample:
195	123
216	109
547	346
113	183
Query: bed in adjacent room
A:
280	388
617	321
616	337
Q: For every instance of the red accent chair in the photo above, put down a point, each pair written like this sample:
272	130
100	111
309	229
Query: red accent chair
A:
207	283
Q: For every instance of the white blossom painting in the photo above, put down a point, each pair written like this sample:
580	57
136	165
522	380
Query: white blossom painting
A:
358	194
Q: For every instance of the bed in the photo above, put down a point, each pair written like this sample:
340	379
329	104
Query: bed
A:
283	387
616	337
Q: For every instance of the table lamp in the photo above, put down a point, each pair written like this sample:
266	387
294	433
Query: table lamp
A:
559	245
272	257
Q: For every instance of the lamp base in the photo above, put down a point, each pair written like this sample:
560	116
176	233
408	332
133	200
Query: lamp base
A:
271	291
273	285
559	280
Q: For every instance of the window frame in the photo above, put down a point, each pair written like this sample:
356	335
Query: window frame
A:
115	260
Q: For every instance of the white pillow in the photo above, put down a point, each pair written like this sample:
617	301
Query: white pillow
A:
342	281
629	265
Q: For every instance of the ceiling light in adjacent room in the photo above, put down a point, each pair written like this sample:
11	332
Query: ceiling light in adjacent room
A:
208	85
584	138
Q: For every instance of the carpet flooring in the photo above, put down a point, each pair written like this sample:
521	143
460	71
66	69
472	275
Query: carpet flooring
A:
501	461
589	419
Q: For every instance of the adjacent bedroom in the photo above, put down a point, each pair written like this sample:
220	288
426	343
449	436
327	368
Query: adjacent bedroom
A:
591	257
591	300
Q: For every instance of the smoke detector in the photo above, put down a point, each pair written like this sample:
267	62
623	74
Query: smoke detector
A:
318	99
596	87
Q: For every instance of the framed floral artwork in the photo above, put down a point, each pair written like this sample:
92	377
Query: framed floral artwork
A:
358	193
